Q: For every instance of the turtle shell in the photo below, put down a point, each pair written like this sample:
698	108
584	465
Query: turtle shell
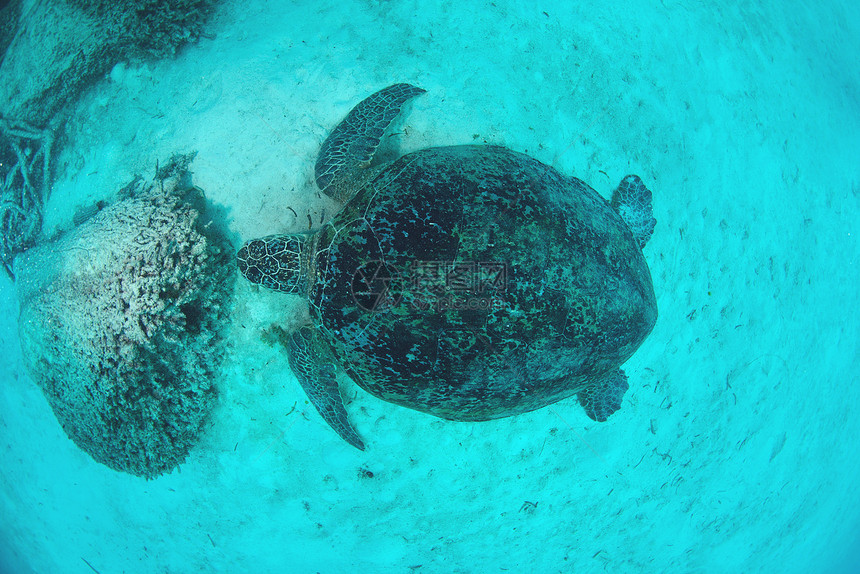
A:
474	282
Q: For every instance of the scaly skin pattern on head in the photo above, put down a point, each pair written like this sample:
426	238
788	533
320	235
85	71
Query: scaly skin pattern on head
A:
279	262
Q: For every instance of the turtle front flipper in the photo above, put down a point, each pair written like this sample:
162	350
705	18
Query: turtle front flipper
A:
604	397
353	142
315	368
632	201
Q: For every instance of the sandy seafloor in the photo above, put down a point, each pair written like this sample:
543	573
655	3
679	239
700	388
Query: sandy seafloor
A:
736	449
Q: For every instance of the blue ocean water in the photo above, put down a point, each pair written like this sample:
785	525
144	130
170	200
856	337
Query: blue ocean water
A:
735	449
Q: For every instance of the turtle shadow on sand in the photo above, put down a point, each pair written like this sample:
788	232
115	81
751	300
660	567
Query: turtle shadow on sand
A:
468	282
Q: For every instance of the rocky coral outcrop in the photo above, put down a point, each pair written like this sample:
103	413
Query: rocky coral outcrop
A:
121	322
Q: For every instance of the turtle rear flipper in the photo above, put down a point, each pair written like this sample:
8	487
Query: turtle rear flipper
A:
604	397
632	201
314	367
351	145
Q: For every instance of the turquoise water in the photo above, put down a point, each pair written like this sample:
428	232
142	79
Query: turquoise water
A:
735	449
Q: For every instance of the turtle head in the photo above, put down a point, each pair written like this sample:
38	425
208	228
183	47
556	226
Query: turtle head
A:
279	262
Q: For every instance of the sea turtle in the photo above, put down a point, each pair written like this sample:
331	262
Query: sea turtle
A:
470	282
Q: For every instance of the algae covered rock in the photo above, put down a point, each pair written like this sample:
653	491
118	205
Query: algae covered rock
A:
51	52
121	322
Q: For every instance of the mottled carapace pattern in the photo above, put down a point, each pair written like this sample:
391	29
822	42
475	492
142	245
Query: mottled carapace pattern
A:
474	282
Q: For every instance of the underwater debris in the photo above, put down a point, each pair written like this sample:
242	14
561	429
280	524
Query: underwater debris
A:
71	59
121	324
25	159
